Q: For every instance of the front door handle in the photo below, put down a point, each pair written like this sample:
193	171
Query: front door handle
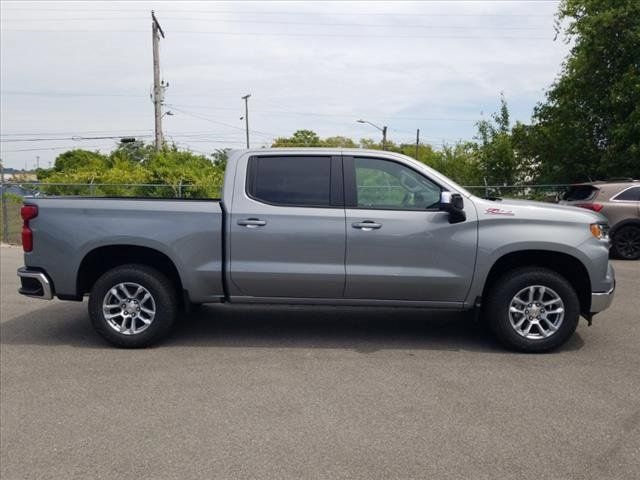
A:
367	225
252	223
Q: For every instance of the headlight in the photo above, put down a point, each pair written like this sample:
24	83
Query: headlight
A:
600	231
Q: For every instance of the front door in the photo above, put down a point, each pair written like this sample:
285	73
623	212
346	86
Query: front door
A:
399	245
288	227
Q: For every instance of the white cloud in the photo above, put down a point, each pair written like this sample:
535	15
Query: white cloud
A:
389	62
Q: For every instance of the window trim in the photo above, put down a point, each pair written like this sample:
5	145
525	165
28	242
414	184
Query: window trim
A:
336	186
351	189
615	197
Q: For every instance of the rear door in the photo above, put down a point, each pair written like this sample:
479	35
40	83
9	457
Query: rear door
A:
287	227
399	245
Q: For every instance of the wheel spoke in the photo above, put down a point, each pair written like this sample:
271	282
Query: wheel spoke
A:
543	332
542	291
520	322
532	291
115	293
513	309
557	310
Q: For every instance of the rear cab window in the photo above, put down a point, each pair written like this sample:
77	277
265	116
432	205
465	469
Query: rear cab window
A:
304	181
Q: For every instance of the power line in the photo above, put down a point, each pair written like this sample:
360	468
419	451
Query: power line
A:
76	138
202	117
343	115
69	94
305	13
72	147
288	34
13	134
270	22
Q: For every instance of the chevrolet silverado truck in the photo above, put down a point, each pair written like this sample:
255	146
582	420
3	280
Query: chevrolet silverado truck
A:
321	226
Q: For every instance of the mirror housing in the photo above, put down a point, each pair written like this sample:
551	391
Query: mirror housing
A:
453	204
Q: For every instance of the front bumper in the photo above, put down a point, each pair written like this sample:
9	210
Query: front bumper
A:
35	283
602	300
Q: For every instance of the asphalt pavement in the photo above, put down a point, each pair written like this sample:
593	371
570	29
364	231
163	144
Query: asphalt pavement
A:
257	392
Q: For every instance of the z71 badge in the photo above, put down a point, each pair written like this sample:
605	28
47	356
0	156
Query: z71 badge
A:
498	211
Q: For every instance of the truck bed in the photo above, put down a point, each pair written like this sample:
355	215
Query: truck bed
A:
189	232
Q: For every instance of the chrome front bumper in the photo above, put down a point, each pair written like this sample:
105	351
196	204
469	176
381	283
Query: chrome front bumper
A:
602	300
34	283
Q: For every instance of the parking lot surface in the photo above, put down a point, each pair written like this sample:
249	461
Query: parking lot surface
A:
301	392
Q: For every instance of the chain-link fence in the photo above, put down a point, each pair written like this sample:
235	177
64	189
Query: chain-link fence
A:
543	193
13	194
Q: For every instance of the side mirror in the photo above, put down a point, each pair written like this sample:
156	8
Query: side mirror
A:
453	204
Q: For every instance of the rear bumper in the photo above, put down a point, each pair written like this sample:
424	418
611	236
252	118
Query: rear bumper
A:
602	300
34	283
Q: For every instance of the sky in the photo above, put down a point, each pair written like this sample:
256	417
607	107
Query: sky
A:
71	71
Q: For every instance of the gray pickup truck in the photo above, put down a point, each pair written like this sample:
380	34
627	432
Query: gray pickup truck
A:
322	226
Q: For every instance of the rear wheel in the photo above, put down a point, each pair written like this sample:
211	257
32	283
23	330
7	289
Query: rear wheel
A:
133	306
532	310
625	243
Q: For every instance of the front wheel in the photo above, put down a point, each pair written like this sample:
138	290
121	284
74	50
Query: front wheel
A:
133	306
532	309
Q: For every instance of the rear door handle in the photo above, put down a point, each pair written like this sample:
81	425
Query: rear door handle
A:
252	223
367	225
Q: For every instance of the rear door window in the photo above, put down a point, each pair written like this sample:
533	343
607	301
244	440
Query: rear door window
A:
291	180
629	195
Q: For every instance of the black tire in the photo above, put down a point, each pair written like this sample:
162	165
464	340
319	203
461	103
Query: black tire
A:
625	243
498	302
163	294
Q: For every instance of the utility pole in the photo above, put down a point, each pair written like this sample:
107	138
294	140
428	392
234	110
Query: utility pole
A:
246	115
418	144
5	221
158	87
37	162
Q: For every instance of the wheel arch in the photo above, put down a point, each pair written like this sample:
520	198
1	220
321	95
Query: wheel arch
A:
571	268
102	259
624	223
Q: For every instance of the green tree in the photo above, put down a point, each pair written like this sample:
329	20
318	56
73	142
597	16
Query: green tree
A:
300	138
495	152
589	125
128	167
339	141
79	159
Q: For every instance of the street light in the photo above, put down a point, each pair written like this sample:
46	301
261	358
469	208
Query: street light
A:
383	129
